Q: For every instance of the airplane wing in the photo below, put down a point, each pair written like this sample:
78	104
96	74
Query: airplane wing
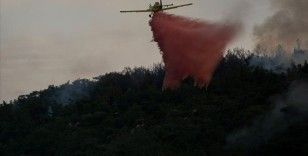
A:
178	6
128	11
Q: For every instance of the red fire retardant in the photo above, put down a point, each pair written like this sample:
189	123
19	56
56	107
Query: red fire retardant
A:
190	48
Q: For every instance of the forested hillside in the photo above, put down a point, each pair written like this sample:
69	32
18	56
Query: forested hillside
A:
246	110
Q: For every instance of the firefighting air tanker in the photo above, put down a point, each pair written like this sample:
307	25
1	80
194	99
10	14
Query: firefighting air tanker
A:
158	6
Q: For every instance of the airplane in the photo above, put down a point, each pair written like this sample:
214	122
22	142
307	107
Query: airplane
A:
158	6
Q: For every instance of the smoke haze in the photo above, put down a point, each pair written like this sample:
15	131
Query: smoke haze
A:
289	110
280	60
289	23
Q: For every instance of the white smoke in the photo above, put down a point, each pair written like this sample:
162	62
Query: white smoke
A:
280	60
71	93
288	110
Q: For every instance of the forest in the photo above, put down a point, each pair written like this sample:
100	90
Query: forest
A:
246	110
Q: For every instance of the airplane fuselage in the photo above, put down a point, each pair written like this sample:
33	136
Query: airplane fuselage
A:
156	7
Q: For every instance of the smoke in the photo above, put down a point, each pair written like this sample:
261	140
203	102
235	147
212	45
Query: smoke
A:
289	23
280	60
190	48
289	110
71	93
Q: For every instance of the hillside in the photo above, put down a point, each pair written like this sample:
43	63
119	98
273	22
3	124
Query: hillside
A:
246	110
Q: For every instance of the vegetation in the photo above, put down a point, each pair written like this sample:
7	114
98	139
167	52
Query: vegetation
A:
127	113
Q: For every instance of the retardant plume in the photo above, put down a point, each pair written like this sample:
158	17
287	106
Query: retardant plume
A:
190	48
289	23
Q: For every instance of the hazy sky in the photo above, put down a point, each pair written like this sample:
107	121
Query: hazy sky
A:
44	42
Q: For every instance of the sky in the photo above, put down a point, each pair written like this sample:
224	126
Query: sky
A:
49	42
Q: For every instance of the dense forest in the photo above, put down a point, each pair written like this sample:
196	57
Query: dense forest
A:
246	110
